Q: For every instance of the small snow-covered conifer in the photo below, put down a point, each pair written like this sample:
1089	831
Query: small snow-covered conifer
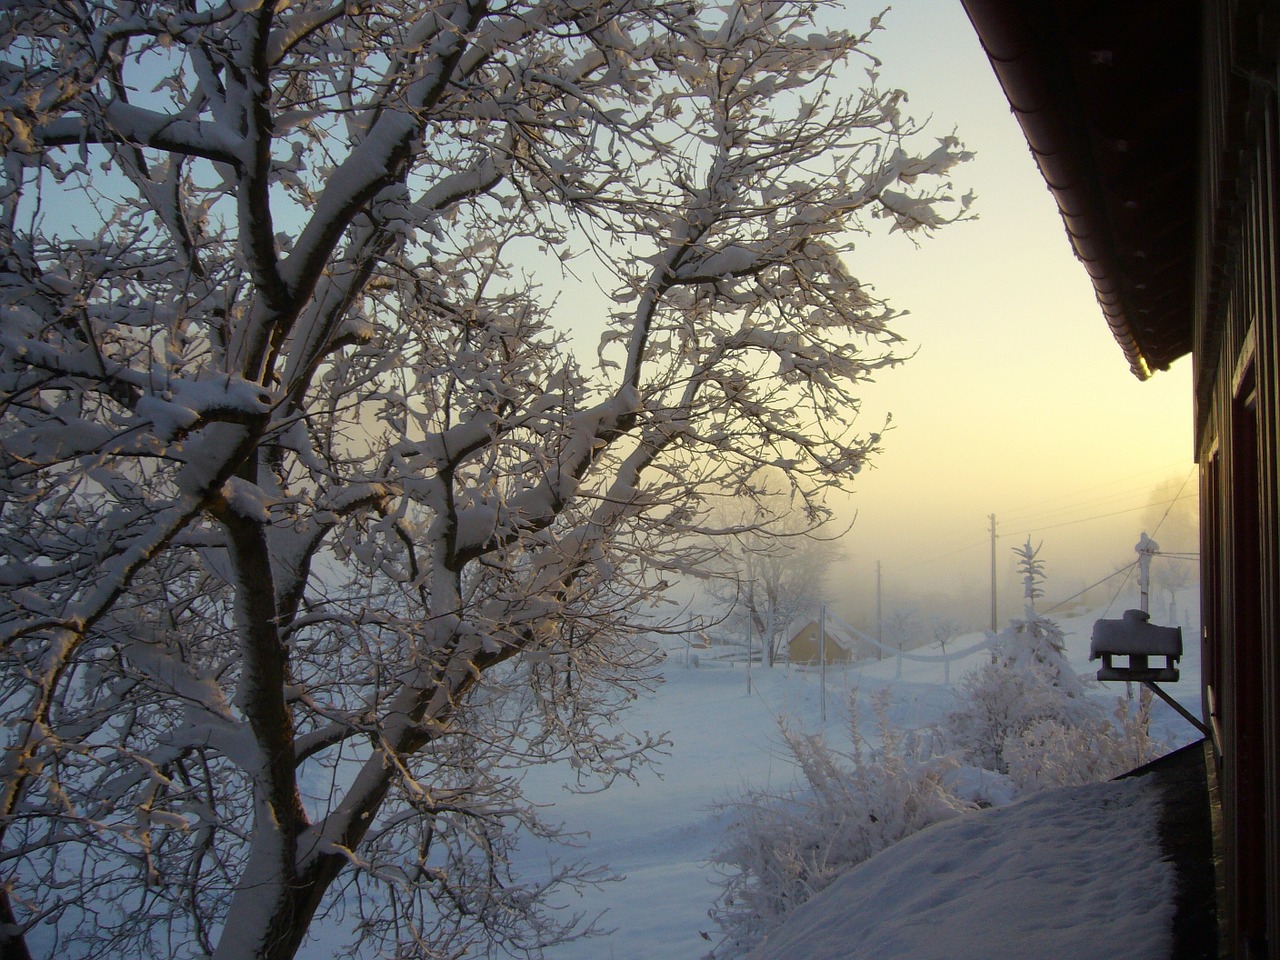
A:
1026	712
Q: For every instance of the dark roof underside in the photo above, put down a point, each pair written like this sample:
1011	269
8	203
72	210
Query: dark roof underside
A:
1107	95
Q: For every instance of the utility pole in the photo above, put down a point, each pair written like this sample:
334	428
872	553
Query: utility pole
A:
822	655
1147	548
879	617
993	572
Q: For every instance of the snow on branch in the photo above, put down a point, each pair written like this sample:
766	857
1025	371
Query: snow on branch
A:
314	520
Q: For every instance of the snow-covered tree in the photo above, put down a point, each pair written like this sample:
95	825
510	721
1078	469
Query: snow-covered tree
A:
944	631
900	632
771	566
313	524
1026	713
1053	752
1172	575
1032	569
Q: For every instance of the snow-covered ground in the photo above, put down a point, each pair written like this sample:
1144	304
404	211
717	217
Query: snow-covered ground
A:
660	833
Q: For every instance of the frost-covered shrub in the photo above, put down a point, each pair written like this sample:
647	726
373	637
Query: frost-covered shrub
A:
1027	682
782	848
1050	753
1026	714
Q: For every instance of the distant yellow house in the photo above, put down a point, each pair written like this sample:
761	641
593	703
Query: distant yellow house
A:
805	645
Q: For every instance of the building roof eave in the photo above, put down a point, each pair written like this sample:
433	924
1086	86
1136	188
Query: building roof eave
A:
1107	97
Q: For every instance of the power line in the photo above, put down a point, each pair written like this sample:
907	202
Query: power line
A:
1035	510
912	564
1178	496
1117	513
1124	570
1127	570
1118	499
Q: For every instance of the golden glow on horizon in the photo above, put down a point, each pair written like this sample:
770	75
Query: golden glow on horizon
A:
1018	398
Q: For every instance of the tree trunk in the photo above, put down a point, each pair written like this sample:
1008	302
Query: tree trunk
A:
269	921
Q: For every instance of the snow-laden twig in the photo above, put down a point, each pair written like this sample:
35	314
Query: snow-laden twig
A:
314	525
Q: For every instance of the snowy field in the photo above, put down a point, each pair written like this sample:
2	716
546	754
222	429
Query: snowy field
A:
660	833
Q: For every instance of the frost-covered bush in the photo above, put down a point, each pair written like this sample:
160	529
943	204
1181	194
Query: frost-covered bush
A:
782	848
1028	681
1026	714
1049	753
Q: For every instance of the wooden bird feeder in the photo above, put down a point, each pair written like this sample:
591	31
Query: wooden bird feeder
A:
1137	641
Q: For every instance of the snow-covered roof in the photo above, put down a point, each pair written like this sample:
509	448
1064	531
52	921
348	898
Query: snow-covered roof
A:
835	634
1035	879
1104	98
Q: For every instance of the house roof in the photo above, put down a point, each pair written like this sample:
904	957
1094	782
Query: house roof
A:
1107	95
835	634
